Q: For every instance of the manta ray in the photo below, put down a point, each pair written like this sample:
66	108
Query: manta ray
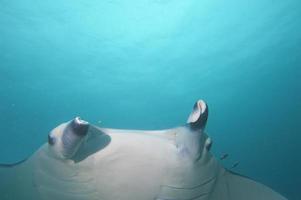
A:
82	161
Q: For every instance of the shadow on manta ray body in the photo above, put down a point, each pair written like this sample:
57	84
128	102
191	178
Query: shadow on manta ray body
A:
85	162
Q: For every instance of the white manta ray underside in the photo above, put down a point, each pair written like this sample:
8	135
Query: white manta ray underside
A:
85	162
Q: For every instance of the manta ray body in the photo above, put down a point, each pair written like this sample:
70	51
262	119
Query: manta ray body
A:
85	162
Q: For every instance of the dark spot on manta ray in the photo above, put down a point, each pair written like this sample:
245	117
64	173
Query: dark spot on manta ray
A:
51	140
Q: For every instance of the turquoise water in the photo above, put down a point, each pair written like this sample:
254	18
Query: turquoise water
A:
142	64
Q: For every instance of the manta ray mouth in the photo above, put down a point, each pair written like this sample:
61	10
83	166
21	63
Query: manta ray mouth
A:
73	136
79	126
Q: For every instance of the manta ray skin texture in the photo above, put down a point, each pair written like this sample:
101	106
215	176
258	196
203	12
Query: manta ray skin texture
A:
85	162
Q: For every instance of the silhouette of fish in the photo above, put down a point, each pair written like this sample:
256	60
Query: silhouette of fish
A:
224	156
235	165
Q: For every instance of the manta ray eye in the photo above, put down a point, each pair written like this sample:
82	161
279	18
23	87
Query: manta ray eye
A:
51	140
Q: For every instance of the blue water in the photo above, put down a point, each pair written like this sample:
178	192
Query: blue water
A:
143	63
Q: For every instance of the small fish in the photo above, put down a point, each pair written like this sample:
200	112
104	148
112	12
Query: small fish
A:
99	122
235	165
224	156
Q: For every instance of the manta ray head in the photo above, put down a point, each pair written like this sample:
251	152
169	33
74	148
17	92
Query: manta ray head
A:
67	138
191	140
77	139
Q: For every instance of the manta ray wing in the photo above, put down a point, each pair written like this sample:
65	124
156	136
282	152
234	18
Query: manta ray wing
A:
241	187
17	181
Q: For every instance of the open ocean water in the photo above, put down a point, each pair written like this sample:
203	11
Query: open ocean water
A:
141	64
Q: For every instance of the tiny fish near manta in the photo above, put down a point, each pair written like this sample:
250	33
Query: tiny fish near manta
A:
85	162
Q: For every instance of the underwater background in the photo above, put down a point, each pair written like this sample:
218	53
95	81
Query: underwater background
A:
142	64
